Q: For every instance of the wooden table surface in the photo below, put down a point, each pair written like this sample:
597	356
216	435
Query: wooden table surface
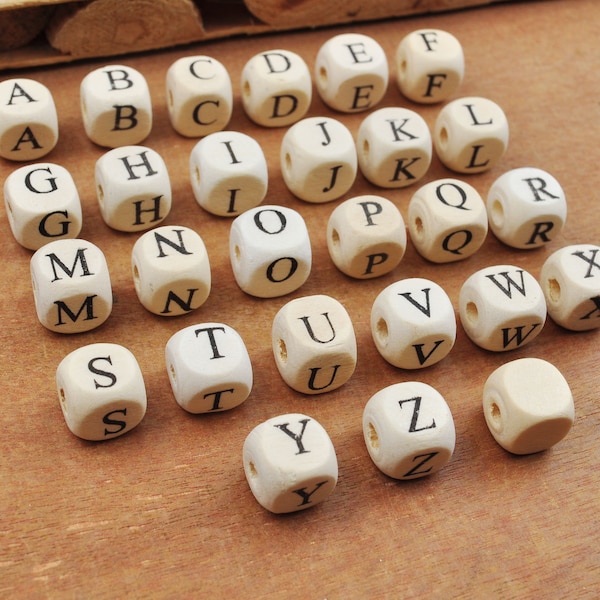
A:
165	511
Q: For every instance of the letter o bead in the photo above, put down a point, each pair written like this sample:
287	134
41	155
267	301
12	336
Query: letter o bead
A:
290	463
528	405
408	429
101	391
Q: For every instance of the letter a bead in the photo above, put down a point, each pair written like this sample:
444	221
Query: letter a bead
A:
409	430
290	463
314	344
101	391
528	405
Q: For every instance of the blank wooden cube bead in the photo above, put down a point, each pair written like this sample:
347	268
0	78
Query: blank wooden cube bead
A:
42	204
351	72
470	135
394	147
290	463
28	120
314	344
276	88
502	307
116	106
270	251
366	236
318	159
171	270
228	173
447	220
430	65
527	208
528	405
199	96
570	279
133	188
71	286
101	391
413	323
209	368
408	430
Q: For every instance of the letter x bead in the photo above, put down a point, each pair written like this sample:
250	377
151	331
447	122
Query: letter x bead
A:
409	430
314	344
71	286
101	391
290	463
42	204
528	405
28	120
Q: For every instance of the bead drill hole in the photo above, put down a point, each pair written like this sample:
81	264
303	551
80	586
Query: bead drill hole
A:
335	237
62	397
100	195
323	75
443	138
382	330
497	213
170	98
366	148
282	350
472	312
252	470
247	89
495	416
288	162
553	290
197	174
419	230
373	437
136	278
237	253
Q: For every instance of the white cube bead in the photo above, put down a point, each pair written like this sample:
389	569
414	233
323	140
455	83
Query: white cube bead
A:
28	120
101	391
528	405
351	72
171	270
42	204
276	88
270	251
502	307
408	430
71	286
318	159
413	323
116	106
430	65
199	96
570	279
470	135
447	220
209	368
314	344
133	188
527	208
394	147
366	236
290	463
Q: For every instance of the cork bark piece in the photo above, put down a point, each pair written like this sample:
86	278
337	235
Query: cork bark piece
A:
22	25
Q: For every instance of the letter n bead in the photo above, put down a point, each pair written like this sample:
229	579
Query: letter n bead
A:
290	463
101	391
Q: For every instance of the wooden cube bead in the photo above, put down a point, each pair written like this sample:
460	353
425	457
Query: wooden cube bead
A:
171	270
470	135
318	159
270	251
42	204
290	463
408	430
116	106
366	236
351	72
28	120
394	147
570	279
228	173
528	405
430	65
447	220
413	323
199	96
314	344
101	391
71	286
133	188
502	307
276	88
527	208
209	368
